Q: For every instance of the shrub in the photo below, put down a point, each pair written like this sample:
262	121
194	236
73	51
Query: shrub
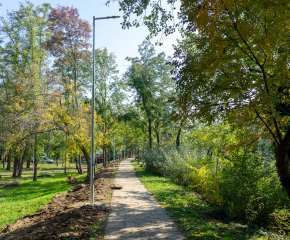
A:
245	181
250	186
280	221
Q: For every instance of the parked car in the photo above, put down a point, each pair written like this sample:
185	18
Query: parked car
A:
45	159
100	159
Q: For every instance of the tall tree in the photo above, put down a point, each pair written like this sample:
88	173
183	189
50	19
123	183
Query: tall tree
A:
23	86
69	44
107	82
149	76
234	63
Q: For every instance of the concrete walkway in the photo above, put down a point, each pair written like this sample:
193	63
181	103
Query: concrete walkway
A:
135	214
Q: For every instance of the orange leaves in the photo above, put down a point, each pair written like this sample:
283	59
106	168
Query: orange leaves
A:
67	28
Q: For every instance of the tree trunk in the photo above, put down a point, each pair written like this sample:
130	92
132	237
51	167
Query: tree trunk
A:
150	132
35	159
106	162
109	156
9	160
88	159
157	138
65	163
178	138
58	156
20	166
4	158
77	167
282	162
16	165
28	163
35	172
104	156
75	83
80	165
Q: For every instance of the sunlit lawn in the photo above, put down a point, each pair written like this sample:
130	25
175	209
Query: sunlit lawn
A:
188	210
30	196
40	167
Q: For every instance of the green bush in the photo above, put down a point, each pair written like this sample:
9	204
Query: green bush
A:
249	186
169	162
280	221
244	181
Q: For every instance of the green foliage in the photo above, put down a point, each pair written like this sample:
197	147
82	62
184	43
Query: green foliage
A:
157	19
232	63
280	221
194	216
27	30
249	185
178	165
245	181
229	66
149	77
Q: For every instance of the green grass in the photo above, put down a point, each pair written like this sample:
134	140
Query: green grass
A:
40	167
193	216
97	230
30	196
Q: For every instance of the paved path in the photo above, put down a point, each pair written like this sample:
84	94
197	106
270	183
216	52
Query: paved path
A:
135	214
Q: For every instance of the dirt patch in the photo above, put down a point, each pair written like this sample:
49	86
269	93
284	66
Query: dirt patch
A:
67	216
216	213
14	184
44	175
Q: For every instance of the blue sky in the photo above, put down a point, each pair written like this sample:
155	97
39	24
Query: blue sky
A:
109	33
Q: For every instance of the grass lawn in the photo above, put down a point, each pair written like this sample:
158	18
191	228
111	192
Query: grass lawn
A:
194	217
30	196
40	167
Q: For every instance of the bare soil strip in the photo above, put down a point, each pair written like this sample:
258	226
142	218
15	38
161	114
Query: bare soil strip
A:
68	216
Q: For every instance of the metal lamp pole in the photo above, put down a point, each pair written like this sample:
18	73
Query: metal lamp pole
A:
93	114
114	144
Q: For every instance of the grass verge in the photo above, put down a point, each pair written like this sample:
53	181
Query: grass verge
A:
98	230
41	167
29	197
195	218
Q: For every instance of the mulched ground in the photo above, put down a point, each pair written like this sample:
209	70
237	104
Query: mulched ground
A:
68	215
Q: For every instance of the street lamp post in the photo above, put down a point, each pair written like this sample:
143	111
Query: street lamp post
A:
93	114
114	149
